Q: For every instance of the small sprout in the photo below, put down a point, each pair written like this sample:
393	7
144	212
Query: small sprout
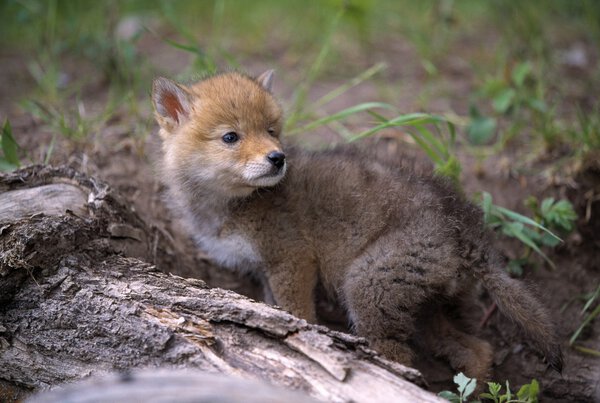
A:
465	386
528	393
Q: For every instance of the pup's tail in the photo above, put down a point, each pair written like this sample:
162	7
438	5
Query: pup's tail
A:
516	301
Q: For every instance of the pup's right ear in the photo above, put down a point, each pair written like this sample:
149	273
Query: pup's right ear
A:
266	80
171	104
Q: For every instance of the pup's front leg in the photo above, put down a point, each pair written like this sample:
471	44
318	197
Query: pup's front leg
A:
293	289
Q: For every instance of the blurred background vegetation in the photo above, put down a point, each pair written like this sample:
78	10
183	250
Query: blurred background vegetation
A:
517	66
516	56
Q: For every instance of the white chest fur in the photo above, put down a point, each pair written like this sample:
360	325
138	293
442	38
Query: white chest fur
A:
233	251
206	221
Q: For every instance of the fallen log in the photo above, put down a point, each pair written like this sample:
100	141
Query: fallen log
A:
78	297
169	386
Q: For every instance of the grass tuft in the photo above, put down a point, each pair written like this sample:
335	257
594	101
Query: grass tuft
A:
9	160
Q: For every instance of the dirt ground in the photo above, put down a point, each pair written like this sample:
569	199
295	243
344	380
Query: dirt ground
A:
128	163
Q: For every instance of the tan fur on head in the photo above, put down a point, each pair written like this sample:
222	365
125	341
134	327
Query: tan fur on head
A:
194	119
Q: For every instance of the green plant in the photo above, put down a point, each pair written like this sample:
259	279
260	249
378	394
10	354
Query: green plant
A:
120	61
465	387
45	71
528	393
73	123
481	128
427	131
515	94
586	136
558	216
534	233
594	313
9	159
510	96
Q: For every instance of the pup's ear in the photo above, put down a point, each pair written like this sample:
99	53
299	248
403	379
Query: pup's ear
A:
171	104
266	80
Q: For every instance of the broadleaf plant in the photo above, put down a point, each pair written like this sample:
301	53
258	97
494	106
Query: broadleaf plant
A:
528	393
550	216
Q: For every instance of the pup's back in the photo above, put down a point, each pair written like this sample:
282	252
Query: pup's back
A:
342	202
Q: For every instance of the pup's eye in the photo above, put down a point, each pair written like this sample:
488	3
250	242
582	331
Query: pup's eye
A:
271	131
230	137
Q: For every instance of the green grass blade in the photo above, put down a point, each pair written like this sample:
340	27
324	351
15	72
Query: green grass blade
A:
486	206
514	231
341	130
591	300
50	149
188	48
365	75
451	168
585	322
341	115
427	149
525	220
410	119
586	350
377	116
452	131
434	141
9	145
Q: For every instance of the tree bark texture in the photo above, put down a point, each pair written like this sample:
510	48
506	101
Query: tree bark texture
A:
79	296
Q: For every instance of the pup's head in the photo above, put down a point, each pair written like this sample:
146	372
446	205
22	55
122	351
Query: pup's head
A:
221	134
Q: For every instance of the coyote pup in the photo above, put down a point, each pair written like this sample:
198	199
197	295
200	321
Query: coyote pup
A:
393	248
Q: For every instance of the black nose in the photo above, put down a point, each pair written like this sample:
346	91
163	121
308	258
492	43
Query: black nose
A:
276	158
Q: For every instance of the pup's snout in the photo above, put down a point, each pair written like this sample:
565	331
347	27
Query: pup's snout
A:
276	158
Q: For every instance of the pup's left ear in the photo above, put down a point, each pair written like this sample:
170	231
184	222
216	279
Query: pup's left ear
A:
172	104
266	80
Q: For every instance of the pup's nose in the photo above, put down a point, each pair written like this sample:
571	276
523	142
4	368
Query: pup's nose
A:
276	158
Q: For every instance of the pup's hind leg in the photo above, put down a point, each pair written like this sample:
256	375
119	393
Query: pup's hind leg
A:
385	288
465	353
381	305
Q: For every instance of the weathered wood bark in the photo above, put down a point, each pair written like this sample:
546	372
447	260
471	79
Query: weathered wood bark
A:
77	298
